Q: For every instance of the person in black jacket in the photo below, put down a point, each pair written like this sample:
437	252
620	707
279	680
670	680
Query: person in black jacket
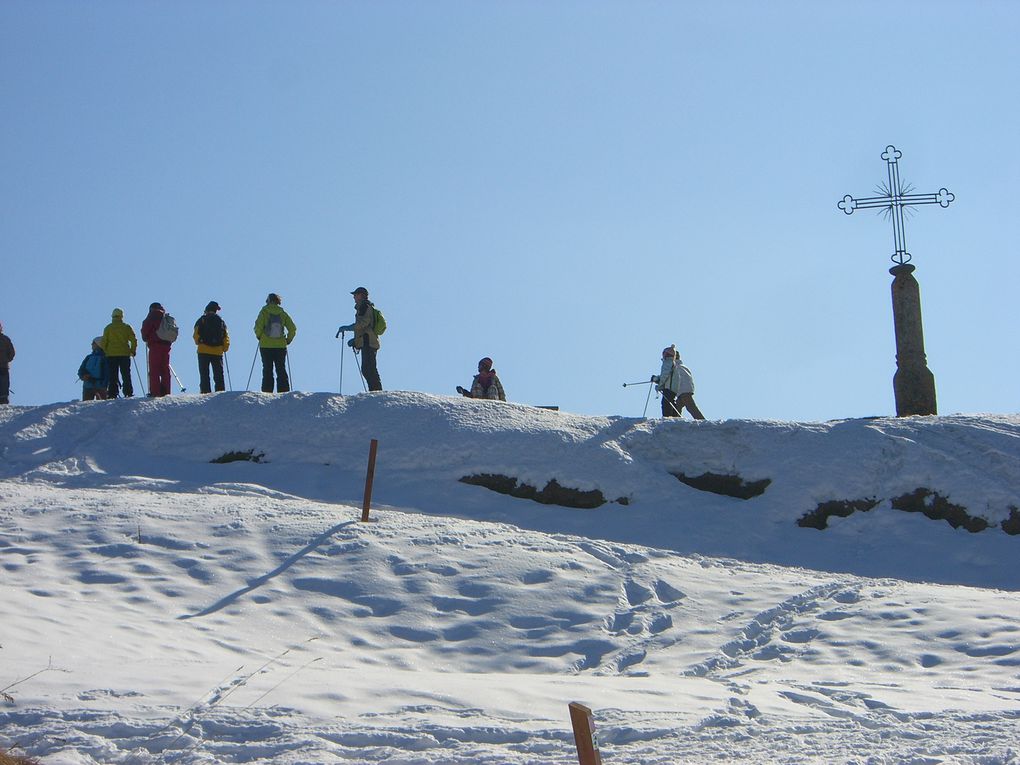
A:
6	357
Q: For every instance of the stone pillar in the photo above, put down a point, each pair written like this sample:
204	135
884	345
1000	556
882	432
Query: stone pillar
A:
913	383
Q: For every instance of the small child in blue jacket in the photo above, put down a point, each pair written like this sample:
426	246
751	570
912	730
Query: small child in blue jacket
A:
93	373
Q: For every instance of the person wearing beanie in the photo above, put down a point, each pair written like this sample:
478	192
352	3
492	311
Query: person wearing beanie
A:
94	374
119	344
365	339
6	357
275	330
676	384
486	383
213	341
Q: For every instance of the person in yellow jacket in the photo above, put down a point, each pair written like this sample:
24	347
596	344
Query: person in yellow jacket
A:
119	344
212	340
275	331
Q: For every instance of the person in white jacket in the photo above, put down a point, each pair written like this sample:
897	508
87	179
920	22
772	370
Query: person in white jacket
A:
676	384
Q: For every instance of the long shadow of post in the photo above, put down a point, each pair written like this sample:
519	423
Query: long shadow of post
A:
254	584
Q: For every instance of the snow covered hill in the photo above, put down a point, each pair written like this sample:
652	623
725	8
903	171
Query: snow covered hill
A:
188	610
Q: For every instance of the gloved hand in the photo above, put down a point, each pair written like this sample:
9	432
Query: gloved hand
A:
351	342
655	379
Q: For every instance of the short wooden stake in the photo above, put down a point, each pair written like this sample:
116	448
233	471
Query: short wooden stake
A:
584	735
368	479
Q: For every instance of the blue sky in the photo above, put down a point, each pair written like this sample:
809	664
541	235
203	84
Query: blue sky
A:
566	187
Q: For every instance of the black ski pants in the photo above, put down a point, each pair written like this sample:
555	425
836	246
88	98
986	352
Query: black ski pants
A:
5	385
274	358
205	362
368	365
119	365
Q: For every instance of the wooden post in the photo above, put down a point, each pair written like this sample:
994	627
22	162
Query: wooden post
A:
368	479
584	735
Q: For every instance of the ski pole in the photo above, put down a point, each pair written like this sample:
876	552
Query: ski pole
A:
340	388
648	398
178	379
646	382
141	385
252	370
230	384
364	383
290	375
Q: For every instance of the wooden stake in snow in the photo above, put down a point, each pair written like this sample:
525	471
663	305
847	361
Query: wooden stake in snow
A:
368	479
584	735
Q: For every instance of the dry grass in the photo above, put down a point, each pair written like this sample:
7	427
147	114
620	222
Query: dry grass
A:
6	758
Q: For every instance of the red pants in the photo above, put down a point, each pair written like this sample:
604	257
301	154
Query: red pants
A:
159	370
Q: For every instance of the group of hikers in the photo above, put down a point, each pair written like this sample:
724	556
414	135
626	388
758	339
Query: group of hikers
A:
106	371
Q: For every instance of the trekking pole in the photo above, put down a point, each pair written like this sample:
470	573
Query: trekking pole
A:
230	383
252	370
364	383
646	382
290	375
178	379
141	385
340	388
648	398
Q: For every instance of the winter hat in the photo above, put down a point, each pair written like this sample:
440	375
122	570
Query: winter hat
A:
155	306
671	351
360	291
274	298
485	364
213	306
97	341
117	314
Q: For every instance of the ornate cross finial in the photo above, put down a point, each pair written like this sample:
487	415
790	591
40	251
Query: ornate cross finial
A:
895	198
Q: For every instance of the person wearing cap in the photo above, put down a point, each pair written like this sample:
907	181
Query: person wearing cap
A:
159	351
94	374
119	344
365	339
676	384
212	340
6	357
486	384
275	331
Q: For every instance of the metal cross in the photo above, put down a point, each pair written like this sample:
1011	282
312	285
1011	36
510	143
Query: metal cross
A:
895	198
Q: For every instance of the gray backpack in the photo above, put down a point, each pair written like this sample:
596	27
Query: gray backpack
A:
274	326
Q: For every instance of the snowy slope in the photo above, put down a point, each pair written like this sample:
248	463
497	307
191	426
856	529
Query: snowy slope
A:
186	611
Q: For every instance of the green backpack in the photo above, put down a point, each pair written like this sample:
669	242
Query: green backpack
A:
380	322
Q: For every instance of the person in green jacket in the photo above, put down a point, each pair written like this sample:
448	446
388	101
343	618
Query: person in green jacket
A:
275	331
119	344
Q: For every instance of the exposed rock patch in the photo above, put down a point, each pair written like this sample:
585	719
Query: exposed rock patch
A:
552	494
1012	524
841	508
248	456
938	508
930	503
727	485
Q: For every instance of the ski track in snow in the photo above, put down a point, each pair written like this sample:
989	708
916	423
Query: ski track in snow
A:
193	613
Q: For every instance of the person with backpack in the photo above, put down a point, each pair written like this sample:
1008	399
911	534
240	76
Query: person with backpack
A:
275	331
486	384
94	374
213	341
6	357
119	344
676	384
159	331
366	329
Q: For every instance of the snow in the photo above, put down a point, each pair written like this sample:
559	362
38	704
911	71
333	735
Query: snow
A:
161	608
